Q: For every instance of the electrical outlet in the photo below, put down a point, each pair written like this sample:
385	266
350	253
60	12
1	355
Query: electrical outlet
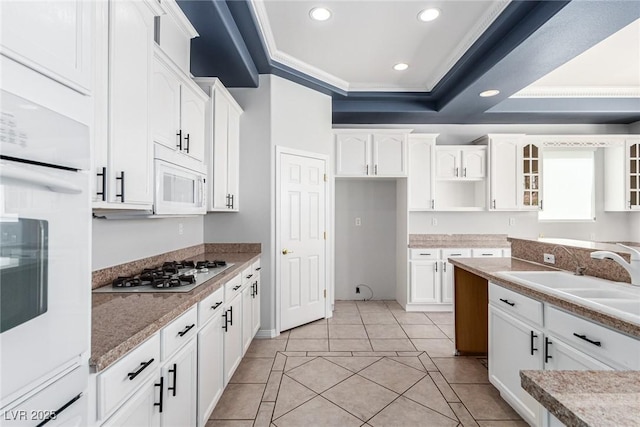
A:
357	289
512	221
434	221
358	221
180	229
549	258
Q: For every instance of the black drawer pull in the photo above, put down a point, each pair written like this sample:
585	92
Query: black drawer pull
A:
54	414
103	193
249	276
161	385
258	268
235	288
456	254
186	329
547	343
231	315
226	323
173	371
216	305
506	301
186	139
425	254
584	337
121	179
179	135
487	254
533	336
143	365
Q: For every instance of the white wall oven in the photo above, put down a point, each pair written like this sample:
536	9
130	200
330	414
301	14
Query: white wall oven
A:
45	272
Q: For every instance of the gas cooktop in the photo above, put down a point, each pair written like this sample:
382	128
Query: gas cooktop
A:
173	276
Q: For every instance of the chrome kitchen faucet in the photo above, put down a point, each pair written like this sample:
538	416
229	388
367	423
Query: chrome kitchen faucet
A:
580	269
632	267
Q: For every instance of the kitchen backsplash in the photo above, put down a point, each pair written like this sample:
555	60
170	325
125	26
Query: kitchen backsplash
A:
458	241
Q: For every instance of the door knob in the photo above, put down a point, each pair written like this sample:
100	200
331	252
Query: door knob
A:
286	251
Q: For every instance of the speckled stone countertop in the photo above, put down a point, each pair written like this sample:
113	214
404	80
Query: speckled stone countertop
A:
121	321
486	267
458	241
587	398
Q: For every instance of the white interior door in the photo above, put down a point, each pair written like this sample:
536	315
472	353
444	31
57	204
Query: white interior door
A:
301	241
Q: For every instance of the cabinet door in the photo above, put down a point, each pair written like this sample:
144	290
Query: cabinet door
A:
165	105
530	195
140	409
504	174
210	367
255	316
52	37
247	323
180	381
447	163
425	281
389	155
192	123
353	155
474	161
232	337
514	346
633	160
130	62
219	199
233	159
420	153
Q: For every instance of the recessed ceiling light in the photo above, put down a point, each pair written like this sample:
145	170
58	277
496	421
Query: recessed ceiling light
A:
400	66
320	13
428	14
489	93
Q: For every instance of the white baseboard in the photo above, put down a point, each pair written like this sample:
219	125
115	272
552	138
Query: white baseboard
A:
428	307
266	333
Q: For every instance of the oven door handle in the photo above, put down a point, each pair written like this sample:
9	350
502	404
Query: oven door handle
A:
23	176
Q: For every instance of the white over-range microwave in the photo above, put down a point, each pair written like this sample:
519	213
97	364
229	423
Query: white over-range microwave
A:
180	187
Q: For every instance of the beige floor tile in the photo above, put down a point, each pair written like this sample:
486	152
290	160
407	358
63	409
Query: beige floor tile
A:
375	353
392	375
385	331
405	318
239	401
291	395
273	384
349	345
229	423
319	374
317	412
329	353
441	318
444	387
435	347
278	363
316	322
308	345
252	370
360	397
462	370
426	393
404	412
392	345
347	331
503	424
294	362
283	336
346	309
340	318
354	364
378	318
309	331
448	330
393	305
263	419
372	306
484	402
410	353
427	362
294	353
411	361
463	415
423	331
265	348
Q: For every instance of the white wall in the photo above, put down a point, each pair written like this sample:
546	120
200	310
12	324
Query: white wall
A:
365	254
119	241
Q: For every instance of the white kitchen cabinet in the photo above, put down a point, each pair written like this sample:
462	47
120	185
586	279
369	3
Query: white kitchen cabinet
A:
232	318
505	158
210	367
459	178
622	175
222	146
460	162
180	393
142	410
425	282
247	323
361	153
420	182
255	307
53	38
174	35
447	272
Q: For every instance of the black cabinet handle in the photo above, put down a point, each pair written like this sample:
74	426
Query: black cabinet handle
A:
229	201
216	305
143	366
464	172
103	193
121	179
232	201
161	385
506	301
231	316
487	254
584	337
533	336
186	329
258	268
235	288
547	343
54	414
186	139
224	326
179	135
249	276
173	371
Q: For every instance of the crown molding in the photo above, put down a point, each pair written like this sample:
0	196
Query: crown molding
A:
579	92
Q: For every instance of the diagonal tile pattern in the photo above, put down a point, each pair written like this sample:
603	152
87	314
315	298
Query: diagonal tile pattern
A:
372	364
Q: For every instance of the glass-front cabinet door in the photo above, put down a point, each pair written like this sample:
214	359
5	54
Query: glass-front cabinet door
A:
634	174
531	177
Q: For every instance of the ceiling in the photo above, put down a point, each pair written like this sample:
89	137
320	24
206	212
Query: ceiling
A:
553	61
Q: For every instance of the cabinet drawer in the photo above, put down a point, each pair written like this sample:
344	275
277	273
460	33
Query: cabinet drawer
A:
486	253
595	340
177	333
210	306
425	253
516	304
256	266
247	274
455	253
232	287
117	382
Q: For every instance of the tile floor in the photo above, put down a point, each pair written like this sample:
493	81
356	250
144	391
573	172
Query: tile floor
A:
371	364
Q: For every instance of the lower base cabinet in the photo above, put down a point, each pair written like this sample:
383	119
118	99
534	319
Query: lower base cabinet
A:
141	409
210	368
232	317
180	377
247	311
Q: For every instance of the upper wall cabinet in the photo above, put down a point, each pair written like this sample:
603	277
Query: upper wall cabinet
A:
622	175
461	162
459	178
174	33
222	146
371	153
51	37
421	147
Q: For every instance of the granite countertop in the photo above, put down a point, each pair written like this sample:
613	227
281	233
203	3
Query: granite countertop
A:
587	398
121	321
417	241
486	267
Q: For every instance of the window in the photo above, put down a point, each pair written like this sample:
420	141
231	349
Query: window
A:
568	177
